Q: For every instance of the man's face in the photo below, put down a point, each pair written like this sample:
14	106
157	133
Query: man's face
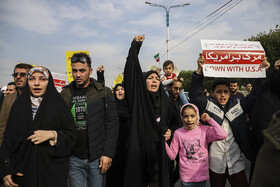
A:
11	89
20	77
81	74
221	94
234	87
176	88
248	87
168	69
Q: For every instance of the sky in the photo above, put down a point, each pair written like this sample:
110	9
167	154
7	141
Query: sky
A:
41	31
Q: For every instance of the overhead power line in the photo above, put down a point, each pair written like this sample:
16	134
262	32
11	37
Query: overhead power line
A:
213	16
201	21
208	23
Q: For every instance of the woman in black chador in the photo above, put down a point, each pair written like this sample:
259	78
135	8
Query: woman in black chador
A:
114	176
39	137
151	122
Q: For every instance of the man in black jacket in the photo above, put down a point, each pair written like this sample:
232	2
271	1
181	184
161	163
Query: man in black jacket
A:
94	111
225	157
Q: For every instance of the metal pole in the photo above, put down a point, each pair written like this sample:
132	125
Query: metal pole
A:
167	32
167	20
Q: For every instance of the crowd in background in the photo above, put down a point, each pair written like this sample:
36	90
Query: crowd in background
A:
145	132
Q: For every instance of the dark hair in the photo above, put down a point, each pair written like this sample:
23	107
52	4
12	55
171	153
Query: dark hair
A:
168	62
234	81
172	83
12	83
79	55
219	82
23	66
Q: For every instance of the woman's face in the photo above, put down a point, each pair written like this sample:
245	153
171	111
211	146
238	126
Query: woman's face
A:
38	84
120	93
153	82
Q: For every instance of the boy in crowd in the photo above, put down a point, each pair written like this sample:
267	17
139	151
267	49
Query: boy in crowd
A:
169	77
234	87
225	157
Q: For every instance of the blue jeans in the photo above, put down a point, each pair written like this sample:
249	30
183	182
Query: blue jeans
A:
194	184
83	173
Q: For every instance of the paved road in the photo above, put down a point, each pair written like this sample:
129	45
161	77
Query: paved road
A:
247	170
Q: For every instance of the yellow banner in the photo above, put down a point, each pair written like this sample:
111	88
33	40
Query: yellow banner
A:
118	80
69	55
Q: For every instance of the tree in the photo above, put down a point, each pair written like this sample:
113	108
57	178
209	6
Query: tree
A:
271	44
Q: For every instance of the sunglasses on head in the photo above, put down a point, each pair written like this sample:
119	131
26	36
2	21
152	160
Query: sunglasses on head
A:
79	59
20	74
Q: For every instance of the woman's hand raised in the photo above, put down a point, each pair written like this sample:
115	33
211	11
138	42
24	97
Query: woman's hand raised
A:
140	38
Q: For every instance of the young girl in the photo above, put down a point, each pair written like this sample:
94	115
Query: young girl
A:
192	140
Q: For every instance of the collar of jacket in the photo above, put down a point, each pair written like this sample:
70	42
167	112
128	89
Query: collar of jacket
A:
93	83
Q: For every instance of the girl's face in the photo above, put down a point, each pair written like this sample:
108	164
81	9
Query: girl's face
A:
120	93
38	84
190	118
153	82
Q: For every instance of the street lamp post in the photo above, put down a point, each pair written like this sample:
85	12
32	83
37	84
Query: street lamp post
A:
167	8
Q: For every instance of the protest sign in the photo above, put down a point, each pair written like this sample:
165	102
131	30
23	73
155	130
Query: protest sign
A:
69	55
118	80
60	80
225	58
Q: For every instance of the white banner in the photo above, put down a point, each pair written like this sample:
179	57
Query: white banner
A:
60	80
224	58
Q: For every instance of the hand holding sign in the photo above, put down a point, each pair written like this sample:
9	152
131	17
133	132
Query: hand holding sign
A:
265	64
200	62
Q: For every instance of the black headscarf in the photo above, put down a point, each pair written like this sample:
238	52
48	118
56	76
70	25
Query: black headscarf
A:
42	164
115	175
146	153
121	104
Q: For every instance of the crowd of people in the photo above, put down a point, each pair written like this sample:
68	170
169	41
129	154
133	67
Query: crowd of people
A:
143	133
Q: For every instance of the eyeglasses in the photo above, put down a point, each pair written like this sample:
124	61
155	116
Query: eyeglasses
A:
20	74
79	59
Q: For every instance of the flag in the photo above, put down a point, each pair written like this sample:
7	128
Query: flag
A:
157	57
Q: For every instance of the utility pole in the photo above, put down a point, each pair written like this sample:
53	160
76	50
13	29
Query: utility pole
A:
167	8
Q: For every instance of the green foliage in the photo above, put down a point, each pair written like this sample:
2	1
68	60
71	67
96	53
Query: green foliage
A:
271	44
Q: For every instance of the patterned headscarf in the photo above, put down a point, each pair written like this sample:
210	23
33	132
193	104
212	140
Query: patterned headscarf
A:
36	101
40	69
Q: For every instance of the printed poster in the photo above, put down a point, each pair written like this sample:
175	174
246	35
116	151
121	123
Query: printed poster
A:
225	58
60	80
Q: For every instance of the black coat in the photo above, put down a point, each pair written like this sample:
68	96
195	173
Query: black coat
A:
146	156
42	165
265	106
